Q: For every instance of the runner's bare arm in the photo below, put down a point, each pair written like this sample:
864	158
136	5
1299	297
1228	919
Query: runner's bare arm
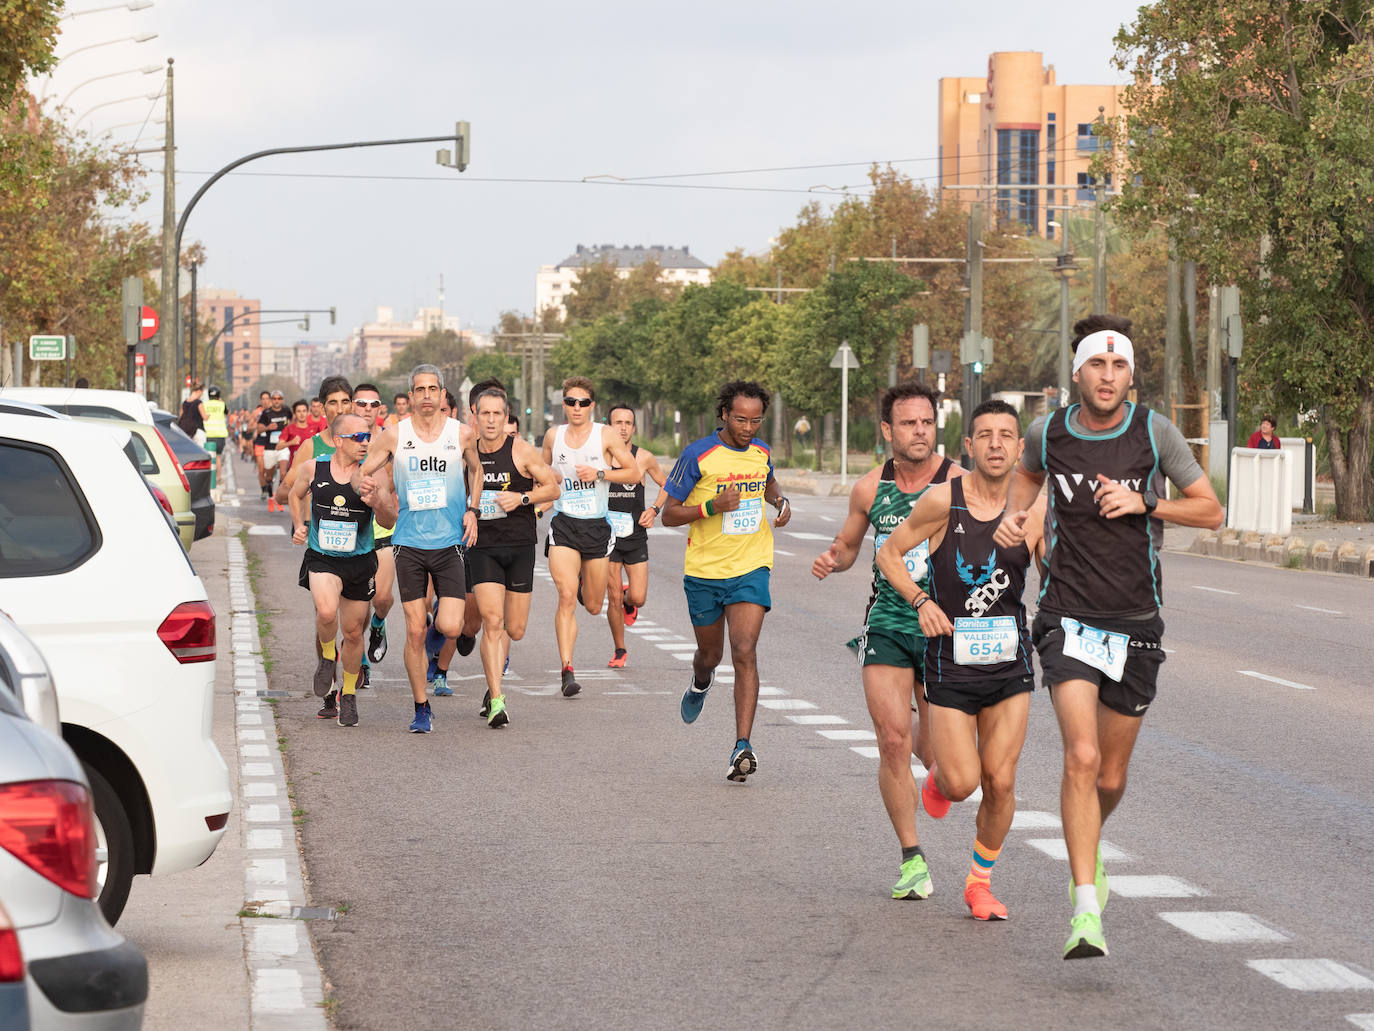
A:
926	522
772	493
648	464
546	449
378	450
618	454
300	513
1198	506
1021	492
529	462
386	506
844	549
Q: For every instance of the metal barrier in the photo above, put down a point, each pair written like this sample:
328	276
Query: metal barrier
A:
1261	490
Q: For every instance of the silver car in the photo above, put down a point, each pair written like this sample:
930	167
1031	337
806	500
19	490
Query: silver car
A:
80	973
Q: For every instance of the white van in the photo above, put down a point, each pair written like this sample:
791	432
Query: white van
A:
101	404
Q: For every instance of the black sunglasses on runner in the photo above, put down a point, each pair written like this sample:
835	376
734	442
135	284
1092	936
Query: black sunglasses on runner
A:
578	402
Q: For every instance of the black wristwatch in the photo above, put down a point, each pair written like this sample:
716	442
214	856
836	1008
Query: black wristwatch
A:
916	603
1151	500
475	511
600	475
524	499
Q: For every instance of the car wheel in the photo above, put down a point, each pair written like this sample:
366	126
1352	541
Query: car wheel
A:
114	846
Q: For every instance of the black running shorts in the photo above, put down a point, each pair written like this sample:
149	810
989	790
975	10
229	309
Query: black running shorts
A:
415	566
1130	696
512	567
358	572
590	538
630	553
973	696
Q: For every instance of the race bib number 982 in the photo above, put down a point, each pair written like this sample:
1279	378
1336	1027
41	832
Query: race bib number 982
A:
426	494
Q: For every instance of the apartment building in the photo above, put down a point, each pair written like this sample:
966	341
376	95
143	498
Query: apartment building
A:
237	360
554	282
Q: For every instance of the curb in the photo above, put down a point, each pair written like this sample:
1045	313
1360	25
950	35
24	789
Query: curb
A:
1290	552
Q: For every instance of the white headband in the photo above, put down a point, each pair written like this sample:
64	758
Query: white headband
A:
1104	341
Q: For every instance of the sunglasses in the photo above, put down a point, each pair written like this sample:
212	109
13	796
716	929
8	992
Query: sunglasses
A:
361	437
368	404
578	402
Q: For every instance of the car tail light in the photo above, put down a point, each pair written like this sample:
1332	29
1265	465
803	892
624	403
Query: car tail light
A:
197	465
189	632
49	826
11	957
175	464
217	821
162	499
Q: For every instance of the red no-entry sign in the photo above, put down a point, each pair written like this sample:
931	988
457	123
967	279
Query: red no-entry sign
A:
148	323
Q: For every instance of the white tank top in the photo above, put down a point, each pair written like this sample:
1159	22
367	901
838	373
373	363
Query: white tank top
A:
581	499
429	485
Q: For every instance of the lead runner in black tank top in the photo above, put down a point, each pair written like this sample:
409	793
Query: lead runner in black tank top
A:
499	473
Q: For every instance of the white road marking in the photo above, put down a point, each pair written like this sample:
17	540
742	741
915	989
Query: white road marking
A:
867	751
675	646
1225	928
255	770
1274	680
848	735
812	719
787	704
1214	590
1056	849
263	813
779	551
1313	608
1311	975
264	837
809	536
826	519
253	735
663	531
259	789
1030	820
266	530
1153	886
769	692
1364	1021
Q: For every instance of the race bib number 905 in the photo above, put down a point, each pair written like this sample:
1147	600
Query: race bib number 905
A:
745	519
1100	649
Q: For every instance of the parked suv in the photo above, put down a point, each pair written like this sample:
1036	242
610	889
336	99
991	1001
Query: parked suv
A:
104	404
95	576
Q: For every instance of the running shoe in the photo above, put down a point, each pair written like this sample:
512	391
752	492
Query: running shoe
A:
324	676
330	709
348	710
618	659
432	670
485	710
936	804
434	642
570	684
438	686
1085	937
376	642
423	722
365	677
914	882
742	762
497	716
693	699
1099	881
980	901
465	644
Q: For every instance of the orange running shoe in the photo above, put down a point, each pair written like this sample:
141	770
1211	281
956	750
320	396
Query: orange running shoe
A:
936	805
618	659
978	897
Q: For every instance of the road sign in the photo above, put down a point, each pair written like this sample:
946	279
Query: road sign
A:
941	361
47	348
148	323
140	360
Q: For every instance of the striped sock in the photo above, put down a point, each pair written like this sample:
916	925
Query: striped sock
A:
327	649
350	684
983	858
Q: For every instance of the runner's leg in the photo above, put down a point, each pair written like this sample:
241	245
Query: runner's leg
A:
745	620
491	602
886	689
954	738
1116	735
564	566
352	620
594	581
1076	707
1001	735
326	590
615	608
637	573
414	654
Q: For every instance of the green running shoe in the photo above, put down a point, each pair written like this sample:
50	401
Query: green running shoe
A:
1085	937
1104	890
496	714
914	882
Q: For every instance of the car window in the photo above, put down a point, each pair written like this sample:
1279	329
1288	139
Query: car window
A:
94	411
45	525
144	459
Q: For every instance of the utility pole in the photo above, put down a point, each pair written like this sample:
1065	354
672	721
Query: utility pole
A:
1100	248
1172	350
973	310
1065	268
191	330
168	351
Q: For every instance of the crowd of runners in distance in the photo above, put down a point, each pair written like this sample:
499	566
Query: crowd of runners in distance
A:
439	504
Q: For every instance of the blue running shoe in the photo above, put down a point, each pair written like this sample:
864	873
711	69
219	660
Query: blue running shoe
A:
742	762
438	686
434	642
432	670
506	668
423	722
693	700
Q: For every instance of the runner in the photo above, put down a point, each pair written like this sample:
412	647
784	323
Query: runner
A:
192	417
318	422
367	403
340	566
586	456
401	409
297	431
978	672
434	520
266	446
501	563
1098	629
216	437
718	486
891	648
629	521
338	399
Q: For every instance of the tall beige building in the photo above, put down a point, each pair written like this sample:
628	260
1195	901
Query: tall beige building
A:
1017	126
237	361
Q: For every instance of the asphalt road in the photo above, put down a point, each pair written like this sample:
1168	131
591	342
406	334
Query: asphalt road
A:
589	865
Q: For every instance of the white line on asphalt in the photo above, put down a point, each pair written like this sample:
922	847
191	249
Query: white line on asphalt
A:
808	536
1364	1021
867	751
1056	849
1311	975
266	530
253	735
1274	680
826	519
813	719
263	813
277	991
787	704
1214	590
253	751
779	551
1153	886
1224	928
1031	820
848	735
769	692
1313	608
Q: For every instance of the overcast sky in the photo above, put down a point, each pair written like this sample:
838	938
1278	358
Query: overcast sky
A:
553	90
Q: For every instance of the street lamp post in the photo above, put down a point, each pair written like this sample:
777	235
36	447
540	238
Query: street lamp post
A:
844	360
122	100
132	5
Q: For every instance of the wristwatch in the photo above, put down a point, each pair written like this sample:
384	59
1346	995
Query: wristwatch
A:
524	499
1151	500
916	603
475	511
782	500
600	475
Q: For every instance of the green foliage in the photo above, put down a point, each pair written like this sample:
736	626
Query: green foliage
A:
680	348
486	364
612	351
444	349
601	290
28	34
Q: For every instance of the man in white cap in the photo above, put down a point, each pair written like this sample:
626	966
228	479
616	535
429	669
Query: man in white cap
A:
1098	630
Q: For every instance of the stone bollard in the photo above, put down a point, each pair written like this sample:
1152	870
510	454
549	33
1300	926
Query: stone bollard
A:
1347	558
1295	553
1251	547
1206	542
1367	563
1230	544
1273	549
1320	556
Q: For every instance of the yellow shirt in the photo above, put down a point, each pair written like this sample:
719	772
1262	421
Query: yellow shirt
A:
728	544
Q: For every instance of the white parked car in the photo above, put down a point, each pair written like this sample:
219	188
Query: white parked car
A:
101	404
94	574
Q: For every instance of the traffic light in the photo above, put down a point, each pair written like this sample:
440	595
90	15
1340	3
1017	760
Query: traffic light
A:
977	368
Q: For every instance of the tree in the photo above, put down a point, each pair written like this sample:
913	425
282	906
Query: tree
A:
28	34
489	364
613	352
601	290
680	348
443	349
1249	135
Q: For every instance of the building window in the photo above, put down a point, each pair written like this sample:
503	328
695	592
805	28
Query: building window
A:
1049	117
1087	142
1018	161
228	317
1086	191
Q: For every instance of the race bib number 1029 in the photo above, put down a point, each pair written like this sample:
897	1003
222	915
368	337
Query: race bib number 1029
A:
1100	649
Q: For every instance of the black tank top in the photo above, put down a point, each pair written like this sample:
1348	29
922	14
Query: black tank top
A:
497	529
628	498
340	522
970	577
190	419
1099	567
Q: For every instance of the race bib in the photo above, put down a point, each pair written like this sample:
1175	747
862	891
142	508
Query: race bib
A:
580	504
1100	649
426	494
490	509
917	559
745	519
985	641
621	524
273	436
336	535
